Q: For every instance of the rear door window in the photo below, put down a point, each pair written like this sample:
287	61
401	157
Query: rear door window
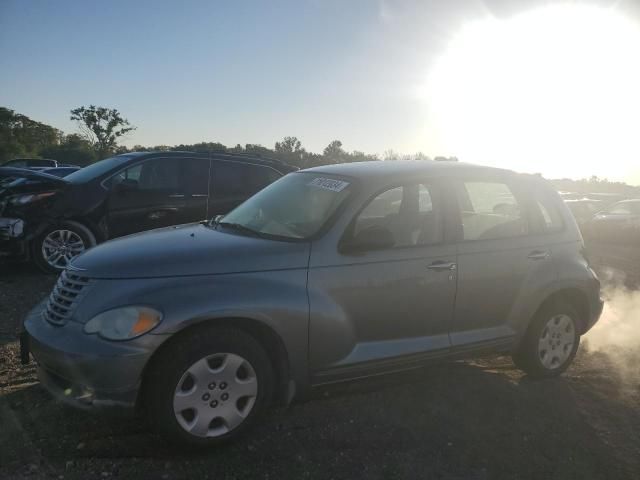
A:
161	174
489	210
238	180
196	175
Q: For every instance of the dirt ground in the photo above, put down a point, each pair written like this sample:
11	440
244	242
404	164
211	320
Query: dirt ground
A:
474	419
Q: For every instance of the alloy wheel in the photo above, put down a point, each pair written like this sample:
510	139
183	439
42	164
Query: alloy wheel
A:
59	247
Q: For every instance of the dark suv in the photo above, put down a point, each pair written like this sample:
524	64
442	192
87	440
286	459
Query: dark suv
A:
51	220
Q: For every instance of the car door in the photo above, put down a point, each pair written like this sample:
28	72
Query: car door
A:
233	182
500	260
196	178
374	310
151	194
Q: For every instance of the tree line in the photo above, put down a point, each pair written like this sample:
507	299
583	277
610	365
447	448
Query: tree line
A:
101	129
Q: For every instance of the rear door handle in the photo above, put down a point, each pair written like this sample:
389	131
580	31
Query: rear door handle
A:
441	265
538	255
176	195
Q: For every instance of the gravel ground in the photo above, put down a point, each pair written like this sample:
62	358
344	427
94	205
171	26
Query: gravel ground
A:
479	419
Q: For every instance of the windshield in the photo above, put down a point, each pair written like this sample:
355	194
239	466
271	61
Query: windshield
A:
97	169
296	206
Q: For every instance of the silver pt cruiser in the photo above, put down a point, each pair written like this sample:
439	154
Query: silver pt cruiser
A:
327	275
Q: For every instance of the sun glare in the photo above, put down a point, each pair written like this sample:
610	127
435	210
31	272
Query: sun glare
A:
555	90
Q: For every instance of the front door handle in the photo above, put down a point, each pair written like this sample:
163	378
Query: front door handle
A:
441	265
538	255
176	195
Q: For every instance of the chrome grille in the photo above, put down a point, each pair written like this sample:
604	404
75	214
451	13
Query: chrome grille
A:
64	297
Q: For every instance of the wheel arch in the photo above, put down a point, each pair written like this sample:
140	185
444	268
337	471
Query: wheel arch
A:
575	297
89	225
261	332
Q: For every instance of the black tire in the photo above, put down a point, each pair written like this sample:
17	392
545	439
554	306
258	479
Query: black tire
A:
87	237
528	357
166	372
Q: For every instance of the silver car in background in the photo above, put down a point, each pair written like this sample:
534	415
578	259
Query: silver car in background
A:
327	275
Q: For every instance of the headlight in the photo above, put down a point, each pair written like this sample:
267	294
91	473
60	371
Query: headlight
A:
123	323
29	197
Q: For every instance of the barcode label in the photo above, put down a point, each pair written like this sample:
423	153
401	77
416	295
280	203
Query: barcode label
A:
329	184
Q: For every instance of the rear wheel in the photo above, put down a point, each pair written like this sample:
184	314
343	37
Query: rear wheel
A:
54	249
551	341
209	387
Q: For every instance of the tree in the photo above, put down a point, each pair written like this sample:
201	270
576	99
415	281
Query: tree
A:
73	149
21	136
101	127
290	150
333	153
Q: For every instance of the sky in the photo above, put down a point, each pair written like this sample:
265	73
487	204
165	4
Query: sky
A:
369	73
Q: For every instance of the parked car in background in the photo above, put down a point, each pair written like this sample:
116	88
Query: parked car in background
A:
606	198
327	275
584	209
52	222
618	223
21	185
60	171
31	163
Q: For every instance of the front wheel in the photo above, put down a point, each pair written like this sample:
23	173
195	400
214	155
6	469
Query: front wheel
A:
209	387
551	342
54	249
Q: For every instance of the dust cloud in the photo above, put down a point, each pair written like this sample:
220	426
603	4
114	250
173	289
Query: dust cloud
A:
616	337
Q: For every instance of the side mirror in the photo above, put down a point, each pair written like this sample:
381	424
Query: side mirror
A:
126	185
372	238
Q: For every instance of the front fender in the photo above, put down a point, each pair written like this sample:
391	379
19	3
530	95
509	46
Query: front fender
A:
276	299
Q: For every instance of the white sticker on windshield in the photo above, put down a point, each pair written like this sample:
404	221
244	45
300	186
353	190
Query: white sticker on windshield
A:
329	184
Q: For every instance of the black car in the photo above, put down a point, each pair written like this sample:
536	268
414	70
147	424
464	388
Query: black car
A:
51	220
60	171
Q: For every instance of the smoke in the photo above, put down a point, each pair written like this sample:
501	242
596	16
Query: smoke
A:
616	337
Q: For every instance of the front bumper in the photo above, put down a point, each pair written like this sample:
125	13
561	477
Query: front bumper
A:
12	237
84	370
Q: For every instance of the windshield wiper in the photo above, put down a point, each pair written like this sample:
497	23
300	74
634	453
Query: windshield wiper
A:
238	227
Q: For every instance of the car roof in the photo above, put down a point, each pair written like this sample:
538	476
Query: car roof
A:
221	155
400	169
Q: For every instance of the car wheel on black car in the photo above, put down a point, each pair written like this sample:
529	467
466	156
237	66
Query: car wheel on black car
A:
209	387
58	244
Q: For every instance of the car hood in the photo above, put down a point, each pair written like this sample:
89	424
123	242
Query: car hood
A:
184	250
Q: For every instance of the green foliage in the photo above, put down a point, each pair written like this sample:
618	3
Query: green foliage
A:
73	149
22	137
290	150
334	153
101	127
